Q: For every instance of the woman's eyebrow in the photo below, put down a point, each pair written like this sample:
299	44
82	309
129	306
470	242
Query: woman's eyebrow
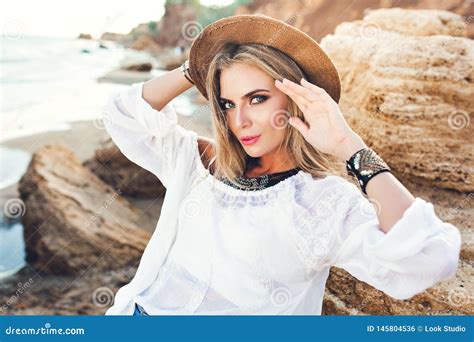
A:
248	94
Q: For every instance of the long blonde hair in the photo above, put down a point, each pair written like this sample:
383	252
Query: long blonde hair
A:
230	159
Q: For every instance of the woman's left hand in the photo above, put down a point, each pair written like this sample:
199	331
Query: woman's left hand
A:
328	131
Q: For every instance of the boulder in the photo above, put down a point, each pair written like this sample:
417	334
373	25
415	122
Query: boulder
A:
410	96
87	36
146	43
73	221
110	165
417	22
137	60
145	67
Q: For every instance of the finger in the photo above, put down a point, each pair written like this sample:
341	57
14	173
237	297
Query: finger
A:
300	90
299	125
301	101
296	90
313	87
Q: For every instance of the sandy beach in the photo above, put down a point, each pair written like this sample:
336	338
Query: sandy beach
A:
85	137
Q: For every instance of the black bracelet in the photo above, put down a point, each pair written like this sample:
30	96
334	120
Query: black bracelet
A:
185	70
364	165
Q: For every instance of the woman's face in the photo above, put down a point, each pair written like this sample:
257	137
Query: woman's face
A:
253	107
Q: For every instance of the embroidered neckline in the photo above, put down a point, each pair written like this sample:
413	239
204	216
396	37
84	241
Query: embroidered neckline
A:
229	190
260	182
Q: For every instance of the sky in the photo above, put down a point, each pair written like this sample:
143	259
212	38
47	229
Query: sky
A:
64	18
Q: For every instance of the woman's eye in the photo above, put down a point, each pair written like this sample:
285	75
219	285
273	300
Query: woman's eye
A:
261	98
224	105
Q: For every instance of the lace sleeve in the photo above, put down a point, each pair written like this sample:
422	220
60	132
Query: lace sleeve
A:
419	250
151	139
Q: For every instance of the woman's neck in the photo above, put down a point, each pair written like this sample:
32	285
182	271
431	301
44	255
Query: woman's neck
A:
264	169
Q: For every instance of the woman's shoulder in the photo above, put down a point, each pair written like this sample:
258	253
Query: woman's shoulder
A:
331	189
330	182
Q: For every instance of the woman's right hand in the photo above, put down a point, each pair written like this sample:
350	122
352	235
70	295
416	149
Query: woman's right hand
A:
160	90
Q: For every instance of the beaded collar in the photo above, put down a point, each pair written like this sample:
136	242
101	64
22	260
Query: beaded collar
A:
260	182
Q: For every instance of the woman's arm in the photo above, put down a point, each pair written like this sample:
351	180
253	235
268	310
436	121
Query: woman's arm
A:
162	89
144	125
329	132
390	196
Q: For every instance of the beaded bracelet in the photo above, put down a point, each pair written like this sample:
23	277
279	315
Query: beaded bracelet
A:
364	165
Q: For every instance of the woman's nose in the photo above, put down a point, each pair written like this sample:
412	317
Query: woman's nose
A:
241	118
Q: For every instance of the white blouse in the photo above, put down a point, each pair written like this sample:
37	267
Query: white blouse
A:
218	250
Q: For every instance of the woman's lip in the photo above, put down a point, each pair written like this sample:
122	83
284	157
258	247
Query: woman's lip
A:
250	141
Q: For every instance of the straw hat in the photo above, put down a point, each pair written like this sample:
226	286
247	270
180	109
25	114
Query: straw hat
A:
262	29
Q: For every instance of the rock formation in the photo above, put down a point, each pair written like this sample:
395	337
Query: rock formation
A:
320	18
410	96
121	174
73	221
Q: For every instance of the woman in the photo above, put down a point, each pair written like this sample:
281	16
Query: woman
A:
253	219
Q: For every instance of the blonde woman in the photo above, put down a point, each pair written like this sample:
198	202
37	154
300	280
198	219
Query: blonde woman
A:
254	218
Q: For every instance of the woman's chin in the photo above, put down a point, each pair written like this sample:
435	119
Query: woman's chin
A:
253	152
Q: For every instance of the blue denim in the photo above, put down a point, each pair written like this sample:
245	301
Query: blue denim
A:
139	311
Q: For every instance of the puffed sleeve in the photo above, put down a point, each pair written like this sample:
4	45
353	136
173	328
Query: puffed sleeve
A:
417	252
149	138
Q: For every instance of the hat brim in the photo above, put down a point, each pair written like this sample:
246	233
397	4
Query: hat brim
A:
261	29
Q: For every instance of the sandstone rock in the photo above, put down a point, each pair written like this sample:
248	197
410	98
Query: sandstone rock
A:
136	60
91	293
417	22
407	90
120	173
84	36
73	221
146	43
410	97
146	67
453	296
171	61
179	20
320	18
